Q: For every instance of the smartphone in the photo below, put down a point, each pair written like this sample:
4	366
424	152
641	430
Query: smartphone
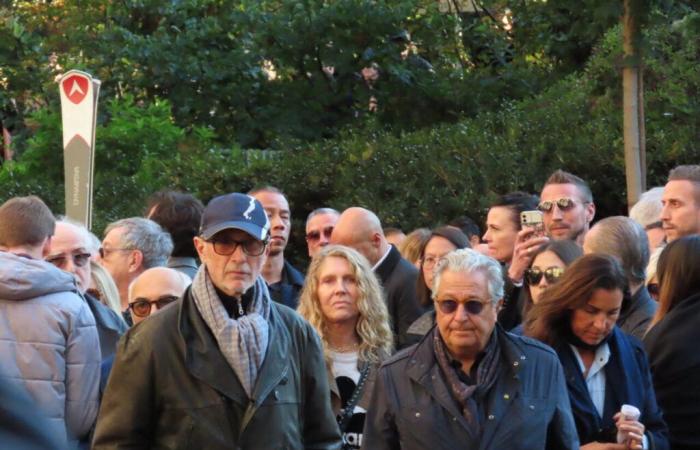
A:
533	219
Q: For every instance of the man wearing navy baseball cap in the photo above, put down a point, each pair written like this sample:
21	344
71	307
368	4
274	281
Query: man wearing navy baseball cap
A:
224	367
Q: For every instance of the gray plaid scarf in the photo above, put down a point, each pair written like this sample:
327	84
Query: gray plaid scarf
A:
243	342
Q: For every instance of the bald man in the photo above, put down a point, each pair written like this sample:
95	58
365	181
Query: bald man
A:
361	229
155	288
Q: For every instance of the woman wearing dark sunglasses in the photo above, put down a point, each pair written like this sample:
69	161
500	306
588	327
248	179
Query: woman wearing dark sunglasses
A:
604	368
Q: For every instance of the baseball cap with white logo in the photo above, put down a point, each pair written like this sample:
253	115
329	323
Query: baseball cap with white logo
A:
237	211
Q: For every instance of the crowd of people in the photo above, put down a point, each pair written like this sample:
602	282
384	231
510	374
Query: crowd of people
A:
188	327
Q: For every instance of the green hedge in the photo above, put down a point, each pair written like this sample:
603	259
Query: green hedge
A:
420	178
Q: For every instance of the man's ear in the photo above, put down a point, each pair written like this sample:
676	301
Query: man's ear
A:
499	306
46	247
199	244
590	212
135	261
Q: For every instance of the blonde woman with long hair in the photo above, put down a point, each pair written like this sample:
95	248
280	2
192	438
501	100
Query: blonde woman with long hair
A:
343	301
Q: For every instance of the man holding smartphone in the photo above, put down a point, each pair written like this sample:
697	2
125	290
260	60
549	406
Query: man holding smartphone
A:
567	204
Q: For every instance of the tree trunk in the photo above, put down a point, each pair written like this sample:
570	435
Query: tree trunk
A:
633	103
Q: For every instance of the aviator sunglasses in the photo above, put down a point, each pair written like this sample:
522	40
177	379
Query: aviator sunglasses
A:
564	204
551	274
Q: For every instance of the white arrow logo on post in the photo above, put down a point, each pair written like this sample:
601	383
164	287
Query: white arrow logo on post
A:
75	88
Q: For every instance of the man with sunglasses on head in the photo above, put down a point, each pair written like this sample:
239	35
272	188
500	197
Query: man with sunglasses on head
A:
283	279
567	204
225	367
627	241
319	227
468	384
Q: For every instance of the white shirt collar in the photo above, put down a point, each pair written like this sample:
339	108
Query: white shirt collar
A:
381	260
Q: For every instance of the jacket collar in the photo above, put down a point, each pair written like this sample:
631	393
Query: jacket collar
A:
205	361
424	370
387	266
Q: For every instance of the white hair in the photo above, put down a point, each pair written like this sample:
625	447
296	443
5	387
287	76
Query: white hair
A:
648	209
471	261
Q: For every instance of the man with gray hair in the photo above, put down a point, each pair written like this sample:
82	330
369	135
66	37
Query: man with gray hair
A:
319	227
469	384
626	240
647	213
129	247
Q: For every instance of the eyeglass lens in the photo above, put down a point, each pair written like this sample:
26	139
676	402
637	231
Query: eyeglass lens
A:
563	204
79	259
316	234
143	307
551	274
251	247
473	307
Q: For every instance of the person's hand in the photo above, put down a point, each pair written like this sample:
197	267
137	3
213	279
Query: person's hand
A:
603	446
526	244
633	429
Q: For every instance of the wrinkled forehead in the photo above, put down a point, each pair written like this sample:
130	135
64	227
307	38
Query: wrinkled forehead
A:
68	238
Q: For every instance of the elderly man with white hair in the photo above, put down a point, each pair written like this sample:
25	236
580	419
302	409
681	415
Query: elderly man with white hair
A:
647	213
469	384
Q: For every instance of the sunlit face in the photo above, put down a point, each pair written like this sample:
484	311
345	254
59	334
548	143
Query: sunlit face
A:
501	233
116	259
680	214
277	209
595	321
436	248
318	231
233	274
69	252
337	291
569	224
465	335
542	262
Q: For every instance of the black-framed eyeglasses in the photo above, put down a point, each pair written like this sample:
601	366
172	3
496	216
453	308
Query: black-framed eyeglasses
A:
60	261
551	274
226	246
106	251
432	261
314	236
142	307
473	307
564	204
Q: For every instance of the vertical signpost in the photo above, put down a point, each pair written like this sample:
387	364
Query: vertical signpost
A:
79	95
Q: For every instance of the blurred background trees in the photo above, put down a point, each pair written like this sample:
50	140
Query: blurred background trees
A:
421	110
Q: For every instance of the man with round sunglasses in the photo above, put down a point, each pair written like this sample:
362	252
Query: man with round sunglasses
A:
567	204
468	382
155	289
319	228
225	366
